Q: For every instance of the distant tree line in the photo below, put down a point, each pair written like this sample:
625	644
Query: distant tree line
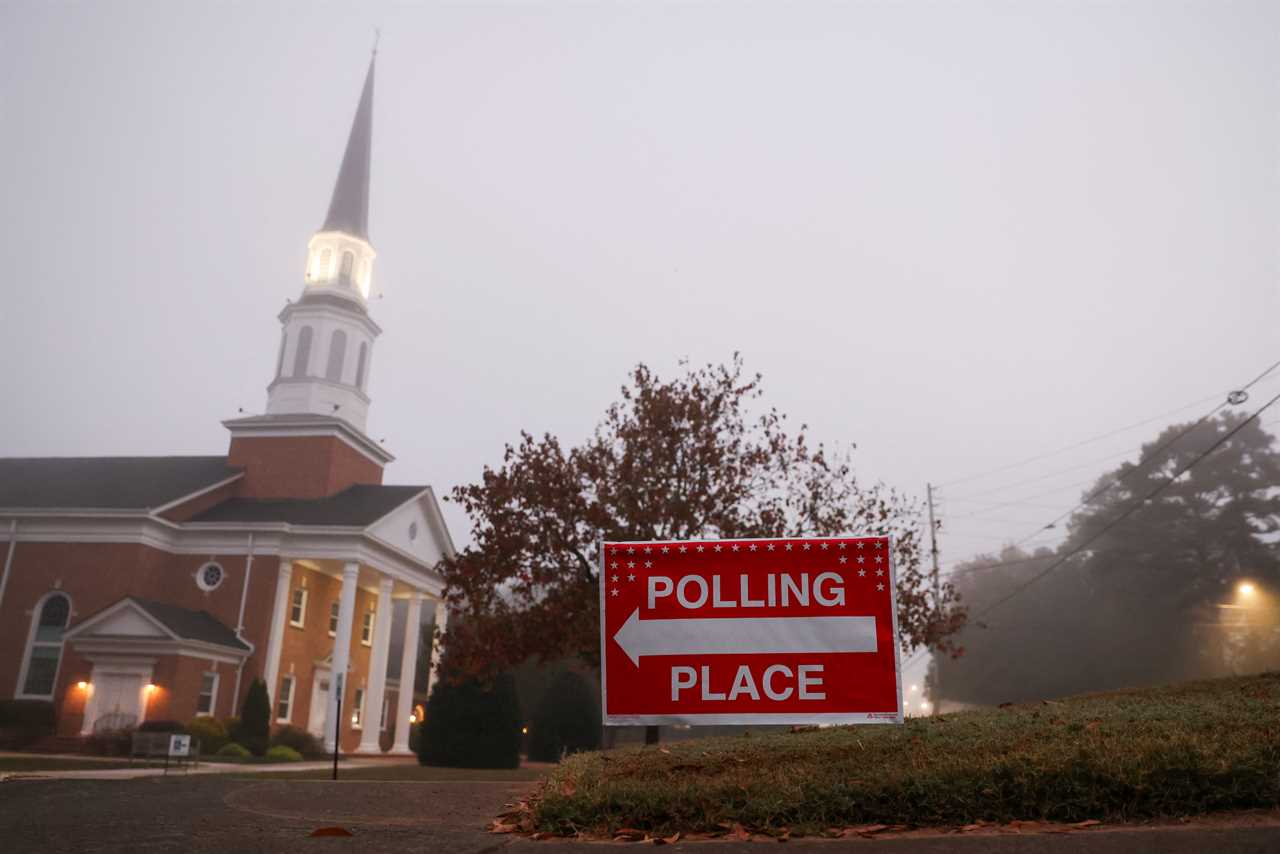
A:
1186	586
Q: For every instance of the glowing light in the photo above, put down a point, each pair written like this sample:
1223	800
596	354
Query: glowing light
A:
150	687
82	685
915	688
1246	588
413	719
924	705
355	719
524	730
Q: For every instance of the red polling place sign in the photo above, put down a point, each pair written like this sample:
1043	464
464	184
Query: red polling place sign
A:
800	631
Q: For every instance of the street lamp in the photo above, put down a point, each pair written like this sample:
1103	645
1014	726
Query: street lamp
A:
1246	589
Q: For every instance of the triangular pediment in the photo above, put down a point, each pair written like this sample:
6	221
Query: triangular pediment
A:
126	619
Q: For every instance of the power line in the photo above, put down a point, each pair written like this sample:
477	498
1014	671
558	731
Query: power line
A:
1108	434
1130	510
1079	444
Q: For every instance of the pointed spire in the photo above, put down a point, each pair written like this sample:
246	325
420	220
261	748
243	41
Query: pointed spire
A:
349	209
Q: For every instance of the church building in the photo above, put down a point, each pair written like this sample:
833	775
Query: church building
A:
157	588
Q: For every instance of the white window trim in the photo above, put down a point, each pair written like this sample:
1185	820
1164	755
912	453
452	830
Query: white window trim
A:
287	697
366	628
334	619
357	703
213	694
19	693
301	622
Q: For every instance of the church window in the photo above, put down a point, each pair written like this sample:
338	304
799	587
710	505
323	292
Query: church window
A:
209	576
326	259
357	709
348	261
333	620
285	706
366	629
44	646
298	608
208	695
337	355
302	358
360	363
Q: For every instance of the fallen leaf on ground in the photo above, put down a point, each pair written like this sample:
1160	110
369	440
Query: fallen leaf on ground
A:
672	839
1092	822
502	827
331	831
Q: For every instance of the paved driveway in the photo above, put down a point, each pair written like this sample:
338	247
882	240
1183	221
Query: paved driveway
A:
218	814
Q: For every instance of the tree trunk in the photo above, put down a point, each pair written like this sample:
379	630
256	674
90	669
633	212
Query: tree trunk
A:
651	734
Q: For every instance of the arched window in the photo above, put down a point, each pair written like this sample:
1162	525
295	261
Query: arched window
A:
360	363
326	259
284	343
302	358
44	648
337	355
348	261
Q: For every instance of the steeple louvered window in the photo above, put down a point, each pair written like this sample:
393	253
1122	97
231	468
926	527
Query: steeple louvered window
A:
348	262
337	356
302	357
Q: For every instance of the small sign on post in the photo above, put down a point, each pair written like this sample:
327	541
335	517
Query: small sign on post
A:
179	745
772	631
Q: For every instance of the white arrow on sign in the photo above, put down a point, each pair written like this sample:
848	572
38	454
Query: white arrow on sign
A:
728	635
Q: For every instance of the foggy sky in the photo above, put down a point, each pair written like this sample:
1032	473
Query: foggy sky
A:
958	235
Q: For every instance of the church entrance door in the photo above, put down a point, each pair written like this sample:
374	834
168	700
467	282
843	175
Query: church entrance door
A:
119	700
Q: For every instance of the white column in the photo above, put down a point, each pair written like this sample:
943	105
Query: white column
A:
408	667
442	623
377	684
341	654
275	640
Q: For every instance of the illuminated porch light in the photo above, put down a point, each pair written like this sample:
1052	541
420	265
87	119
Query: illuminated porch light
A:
82	685
1246	588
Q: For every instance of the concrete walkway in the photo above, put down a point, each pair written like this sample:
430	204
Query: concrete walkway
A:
141	770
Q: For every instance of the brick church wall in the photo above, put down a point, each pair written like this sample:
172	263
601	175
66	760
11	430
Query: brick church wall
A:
299	466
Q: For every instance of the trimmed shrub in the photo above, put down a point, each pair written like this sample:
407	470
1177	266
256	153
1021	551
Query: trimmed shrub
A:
161	726
110	742
567	720
210	731
472	724
234	751
280	753
254	731
297	739
25	721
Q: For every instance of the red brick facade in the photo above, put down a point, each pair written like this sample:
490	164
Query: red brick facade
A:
299	466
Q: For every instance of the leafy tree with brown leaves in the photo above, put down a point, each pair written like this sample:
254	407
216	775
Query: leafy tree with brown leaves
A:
673	459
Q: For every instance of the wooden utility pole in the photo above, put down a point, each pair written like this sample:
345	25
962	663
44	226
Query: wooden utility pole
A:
933	550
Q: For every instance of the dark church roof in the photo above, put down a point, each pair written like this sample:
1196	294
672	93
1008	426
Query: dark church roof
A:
349	208
106	483
191	625
356	505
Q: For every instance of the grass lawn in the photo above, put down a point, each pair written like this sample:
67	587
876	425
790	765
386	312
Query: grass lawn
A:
408	772
1173	751
35	762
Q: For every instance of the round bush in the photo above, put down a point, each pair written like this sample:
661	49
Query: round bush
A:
280	753
567	720
210	731
299	739
472	724
234	751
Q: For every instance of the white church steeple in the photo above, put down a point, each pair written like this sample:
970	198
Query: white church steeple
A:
327	342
